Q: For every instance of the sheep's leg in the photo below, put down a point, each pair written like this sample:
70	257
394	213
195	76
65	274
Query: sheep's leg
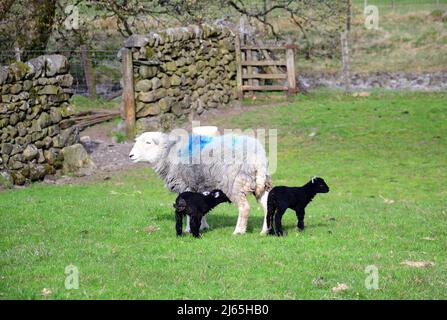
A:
244	212
195	224
270	217
178	223
278	225
203	224
300	215
188	227
263	201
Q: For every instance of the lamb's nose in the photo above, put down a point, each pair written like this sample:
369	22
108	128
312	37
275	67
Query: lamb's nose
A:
131	156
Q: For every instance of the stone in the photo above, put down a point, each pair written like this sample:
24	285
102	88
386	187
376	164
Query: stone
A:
147	96
165	104
143	85
55	115
19	178
177	109
16	88
37	172
147	72
166	82
6	180
55	64
65	80
136	40
176	80
36	66
19	70
43	121
49	89
171	66
201	83
151	109
67	111
7	148
30	152
52	156
160	93
147	124
156	83
77	161
3	75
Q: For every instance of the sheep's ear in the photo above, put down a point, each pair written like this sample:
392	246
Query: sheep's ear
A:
313	178
155	141
217	194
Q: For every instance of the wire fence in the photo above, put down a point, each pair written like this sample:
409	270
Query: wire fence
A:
105	66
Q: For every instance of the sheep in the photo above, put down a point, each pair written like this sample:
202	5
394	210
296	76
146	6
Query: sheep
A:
196	205
281	198
198	164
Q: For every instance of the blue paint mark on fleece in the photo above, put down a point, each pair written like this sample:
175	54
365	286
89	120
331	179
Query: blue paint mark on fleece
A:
197	142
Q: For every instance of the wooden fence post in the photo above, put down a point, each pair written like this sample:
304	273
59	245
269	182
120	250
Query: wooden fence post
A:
88	72
290	61
128	93
237	45
345	61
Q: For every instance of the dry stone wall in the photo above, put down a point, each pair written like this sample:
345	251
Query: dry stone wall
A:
180	71
33	106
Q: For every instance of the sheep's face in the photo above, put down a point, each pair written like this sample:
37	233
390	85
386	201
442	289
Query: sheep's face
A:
219	196
148	147
320	185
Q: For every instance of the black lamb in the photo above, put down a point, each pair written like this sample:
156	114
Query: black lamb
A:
296	198
196	205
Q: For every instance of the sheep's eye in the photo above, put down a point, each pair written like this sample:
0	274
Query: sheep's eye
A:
148	142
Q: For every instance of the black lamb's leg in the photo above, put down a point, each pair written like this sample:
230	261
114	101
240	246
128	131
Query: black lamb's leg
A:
178	223
195	224
300	216
270	215
278	224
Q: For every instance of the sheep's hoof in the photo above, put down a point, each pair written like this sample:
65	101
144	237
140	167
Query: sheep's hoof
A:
239	231
187	230
264	232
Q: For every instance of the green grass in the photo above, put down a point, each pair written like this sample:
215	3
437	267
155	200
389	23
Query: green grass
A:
390	145
83	103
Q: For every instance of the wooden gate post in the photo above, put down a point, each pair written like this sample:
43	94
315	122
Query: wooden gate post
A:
345	60
88	72
237	45
290	61
128	93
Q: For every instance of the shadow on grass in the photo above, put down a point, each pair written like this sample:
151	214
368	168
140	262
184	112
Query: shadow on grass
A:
254	222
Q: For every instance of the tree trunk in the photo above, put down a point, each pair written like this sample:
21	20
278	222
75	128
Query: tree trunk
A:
39	26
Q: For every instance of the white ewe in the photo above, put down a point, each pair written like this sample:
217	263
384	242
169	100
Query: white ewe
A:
235	164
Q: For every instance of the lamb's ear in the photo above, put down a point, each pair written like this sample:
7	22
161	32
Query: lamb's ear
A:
217	194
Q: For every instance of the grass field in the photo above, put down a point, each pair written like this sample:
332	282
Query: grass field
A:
384	158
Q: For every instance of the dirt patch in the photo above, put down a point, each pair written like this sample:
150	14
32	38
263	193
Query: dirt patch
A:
418	264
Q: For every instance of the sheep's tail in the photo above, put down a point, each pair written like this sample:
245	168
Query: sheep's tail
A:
180	205
263	183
